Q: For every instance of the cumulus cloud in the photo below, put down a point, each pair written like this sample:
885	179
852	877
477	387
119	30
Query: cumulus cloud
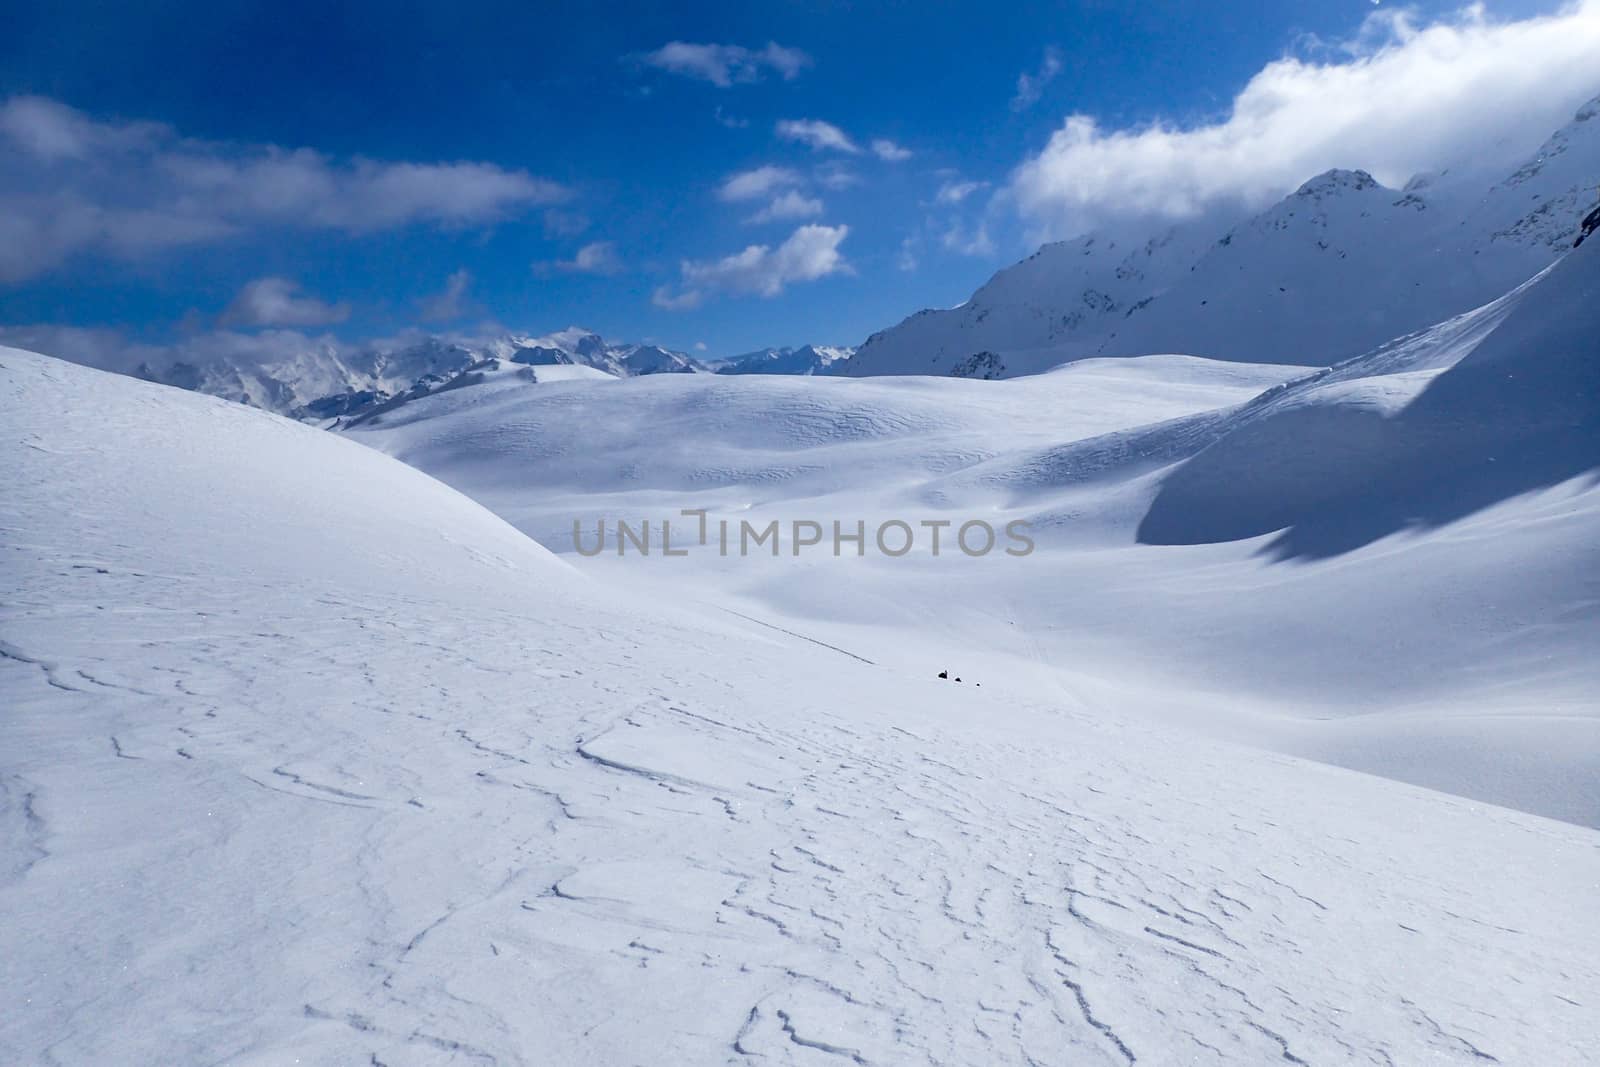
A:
1030	85
811	252
667	300
73	184
781	184
450	303
596	257
886	149
788	207
1400	99
756	183
820	136
726	65
279	302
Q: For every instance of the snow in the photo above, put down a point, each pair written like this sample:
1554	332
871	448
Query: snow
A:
1493	404
1388	565
304	375
319	379
807	359
1334	269
309	757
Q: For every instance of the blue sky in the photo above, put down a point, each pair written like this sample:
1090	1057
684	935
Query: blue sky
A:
576	164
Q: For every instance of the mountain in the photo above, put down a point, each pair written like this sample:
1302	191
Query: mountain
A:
324	379
316	378
1063	298
1334	269
807	359
586	348
336	766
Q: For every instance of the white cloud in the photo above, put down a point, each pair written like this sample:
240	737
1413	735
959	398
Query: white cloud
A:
886	149
968	241
49	130
819	135
597	257
76	185
726	65
836	175
699	346
279	302
1400	99
757	183
788	207
953	192
667	300
732	122
907	260
811	252
1030	86
450	303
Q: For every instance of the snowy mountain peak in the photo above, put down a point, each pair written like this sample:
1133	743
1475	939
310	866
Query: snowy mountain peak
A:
807	359
576	345
1333	182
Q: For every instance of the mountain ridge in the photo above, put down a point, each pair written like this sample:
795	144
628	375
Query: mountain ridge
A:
1262	291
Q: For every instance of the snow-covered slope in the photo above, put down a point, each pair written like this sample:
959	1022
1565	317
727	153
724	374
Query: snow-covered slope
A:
1535	206
1494	404
1424	615
493	372
1063	298
730	440
307	758
1332	270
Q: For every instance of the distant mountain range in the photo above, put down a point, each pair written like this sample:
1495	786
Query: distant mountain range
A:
327	380
807	359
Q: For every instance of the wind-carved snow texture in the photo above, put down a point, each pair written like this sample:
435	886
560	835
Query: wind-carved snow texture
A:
376	779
